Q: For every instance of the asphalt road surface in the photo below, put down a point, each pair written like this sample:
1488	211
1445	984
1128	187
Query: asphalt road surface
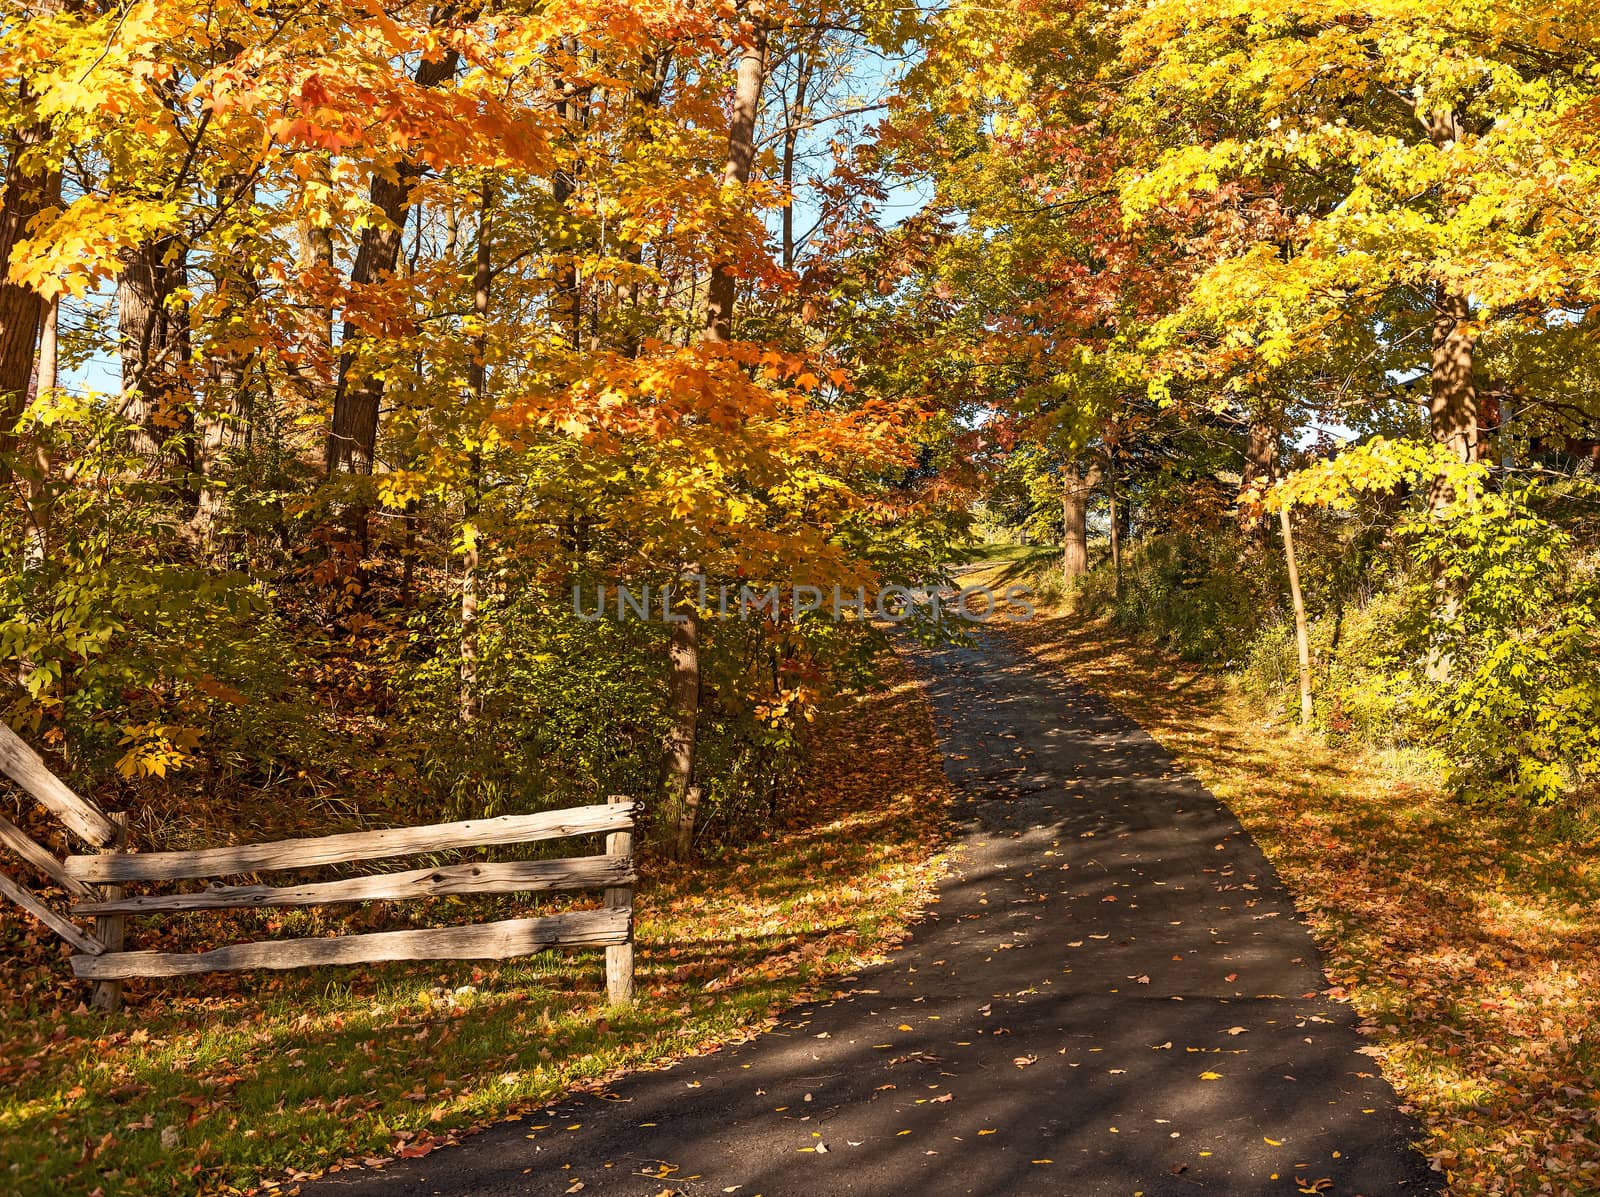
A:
1112	995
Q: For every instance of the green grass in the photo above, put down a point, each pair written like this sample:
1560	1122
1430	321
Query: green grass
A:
1036	566
1025	555
217	1085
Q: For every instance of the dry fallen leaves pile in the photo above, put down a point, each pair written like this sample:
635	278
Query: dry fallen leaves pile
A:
214	1084
1468	938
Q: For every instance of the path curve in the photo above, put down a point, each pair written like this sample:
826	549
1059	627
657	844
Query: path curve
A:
1112	995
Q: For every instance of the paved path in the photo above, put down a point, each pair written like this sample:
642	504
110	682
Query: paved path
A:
1113	995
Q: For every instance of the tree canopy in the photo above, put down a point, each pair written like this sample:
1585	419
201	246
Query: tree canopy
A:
343	343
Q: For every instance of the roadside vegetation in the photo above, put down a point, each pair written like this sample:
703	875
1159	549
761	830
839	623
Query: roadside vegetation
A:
221	1084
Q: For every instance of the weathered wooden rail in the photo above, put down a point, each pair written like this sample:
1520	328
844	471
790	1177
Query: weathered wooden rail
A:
95	883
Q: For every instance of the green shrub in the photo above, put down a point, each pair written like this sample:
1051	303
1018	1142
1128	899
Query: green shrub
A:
1199	597
1512	619
1497	596
1367	689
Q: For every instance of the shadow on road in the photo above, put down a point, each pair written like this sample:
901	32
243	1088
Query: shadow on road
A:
1112	994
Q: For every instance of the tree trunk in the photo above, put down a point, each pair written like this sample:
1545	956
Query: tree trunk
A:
1302	633
219	415
30	187
408	556
319	369
1076	488
683	837
210	440
1452	396
353	435
39	497
736	173
794	113
478	382
1453	420
1114	520
683	712
1260	469
567	308
646	99
154	343
683	653
469	613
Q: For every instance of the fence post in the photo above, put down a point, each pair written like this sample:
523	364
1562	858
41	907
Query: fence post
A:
110	929
619	957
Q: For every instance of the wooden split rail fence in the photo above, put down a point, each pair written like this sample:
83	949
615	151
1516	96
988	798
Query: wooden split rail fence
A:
95	882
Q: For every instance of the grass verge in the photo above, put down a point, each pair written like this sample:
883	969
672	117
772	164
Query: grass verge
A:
270	1079
1467	938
